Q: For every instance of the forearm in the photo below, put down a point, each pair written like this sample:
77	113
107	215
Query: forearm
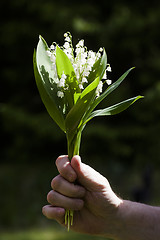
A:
138	221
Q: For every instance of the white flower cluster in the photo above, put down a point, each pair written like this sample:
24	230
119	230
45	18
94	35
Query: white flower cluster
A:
82	62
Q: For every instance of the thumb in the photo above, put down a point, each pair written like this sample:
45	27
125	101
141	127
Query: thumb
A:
87	176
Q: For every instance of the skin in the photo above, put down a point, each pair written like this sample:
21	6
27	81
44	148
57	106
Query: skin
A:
97	209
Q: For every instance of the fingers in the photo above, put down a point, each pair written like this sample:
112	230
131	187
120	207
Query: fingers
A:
62	186
58	200
65	194
56	213
65	169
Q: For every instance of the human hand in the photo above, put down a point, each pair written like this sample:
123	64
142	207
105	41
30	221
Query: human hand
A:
94	203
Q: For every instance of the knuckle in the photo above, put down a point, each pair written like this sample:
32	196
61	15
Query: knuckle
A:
60	159
64	167
55	182
57	161
50	196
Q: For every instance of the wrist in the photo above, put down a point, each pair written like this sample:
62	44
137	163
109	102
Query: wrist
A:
118	226
114	224
137	221
128	224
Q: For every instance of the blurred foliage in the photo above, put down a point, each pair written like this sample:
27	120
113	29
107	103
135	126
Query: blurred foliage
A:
127	142
45	234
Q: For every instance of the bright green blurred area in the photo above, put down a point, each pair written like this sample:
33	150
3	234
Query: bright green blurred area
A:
125	148
45	234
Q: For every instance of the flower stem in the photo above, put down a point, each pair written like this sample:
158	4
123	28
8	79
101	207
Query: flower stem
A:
73	149
74	145
69	218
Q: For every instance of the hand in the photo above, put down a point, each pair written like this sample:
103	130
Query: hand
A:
94	203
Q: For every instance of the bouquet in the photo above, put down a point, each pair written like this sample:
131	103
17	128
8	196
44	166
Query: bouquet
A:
71	82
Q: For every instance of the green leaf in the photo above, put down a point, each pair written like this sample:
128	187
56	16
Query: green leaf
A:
77	112
42	58
109	90
76	97
47	74
65	66
92	86
46	98
115	109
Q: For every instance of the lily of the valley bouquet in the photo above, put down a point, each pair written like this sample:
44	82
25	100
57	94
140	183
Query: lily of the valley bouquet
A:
71	82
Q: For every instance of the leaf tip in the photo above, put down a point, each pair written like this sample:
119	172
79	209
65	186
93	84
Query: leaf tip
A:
140	96
131	68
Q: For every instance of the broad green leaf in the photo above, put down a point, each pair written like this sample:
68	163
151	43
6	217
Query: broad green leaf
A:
42	58
47	74
109	90
115	109
77	112
90	87
47	99
98	68
76	97
65	66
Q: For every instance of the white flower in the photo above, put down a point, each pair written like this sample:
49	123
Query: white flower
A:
62	81
99	88
80	43
77	74
109	68
60	94
52	47
92	54
53	58
98	55
67	39
66	45
86	71
84	80
48	53
81	86
64	76
74	65
91	61
82	62
105	75
108	81
53	67
69	50
79	50
83	59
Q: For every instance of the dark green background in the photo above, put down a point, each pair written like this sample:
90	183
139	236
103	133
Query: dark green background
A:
122	147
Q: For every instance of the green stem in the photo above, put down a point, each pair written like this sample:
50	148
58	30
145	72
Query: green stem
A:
73	149
74	145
